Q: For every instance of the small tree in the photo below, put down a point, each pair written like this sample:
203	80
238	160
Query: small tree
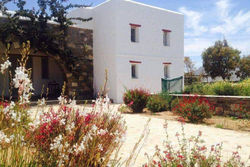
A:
244	67
189	70
220	60
189	65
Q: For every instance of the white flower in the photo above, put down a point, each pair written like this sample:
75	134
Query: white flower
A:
72	102
81	147
69	127
94	128
23	83
56	145
62	121
62	100
4	138
41	102
5	66
102	132
100	147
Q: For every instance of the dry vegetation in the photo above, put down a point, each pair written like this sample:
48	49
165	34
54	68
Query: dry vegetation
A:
216	121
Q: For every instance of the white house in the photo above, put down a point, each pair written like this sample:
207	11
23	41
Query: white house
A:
137	43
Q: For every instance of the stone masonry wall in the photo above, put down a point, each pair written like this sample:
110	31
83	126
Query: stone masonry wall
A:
223	104
80	41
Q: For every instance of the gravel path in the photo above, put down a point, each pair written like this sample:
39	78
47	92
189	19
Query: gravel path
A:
135	123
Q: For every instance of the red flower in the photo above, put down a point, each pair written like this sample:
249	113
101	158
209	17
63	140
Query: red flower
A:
181	120
180	156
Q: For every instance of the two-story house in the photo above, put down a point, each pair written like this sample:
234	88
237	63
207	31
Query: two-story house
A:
137	43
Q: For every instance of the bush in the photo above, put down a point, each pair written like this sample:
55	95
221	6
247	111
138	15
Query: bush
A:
167	98
245	87
225	88
240	111
136	99
196	88
194	108
156	104
220	88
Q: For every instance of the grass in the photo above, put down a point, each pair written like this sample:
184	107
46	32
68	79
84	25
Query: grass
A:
219	126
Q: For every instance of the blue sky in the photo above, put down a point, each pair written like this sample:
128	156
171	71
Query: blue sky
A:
205	22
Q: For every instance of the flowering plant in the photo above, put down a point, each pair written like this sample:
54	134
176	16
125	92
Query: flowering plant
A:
191	152
6	63
71	137
136	99
240	111
194	108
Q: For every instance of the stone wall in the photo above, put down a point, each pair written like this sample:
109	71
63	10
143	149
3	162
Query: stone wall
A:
223	104
80	41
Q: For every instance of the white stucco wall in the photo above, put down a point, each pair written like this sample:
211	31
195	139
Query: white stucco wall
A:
113	49
150	49
104	45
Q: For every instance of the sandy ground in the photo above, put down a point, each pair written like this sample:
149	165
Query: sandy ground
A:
212	136
135	123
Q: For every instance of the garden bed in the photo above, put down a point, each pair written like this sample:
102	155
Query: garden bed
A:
216	121
224	105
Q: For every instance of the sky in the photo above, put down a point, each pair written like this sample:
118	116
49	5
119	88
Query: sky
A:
206	21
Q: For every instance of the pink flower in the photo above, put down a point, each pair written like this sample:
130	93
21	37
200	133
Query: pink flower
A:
131	103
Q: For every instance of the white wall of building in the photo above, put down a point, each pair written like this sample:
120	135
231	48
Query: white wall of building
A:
104	46
150	49
113	49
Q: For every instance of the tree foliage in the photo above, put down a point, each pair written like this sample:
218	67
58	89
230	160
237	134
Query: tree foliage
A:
189	71
220	60
189	65
244	67
46	28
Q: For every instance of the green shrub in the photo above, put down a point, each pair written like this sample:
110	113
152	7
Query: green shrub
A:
194	108
244	88
196	88
136	99
167	98
225	88
157	104
220	88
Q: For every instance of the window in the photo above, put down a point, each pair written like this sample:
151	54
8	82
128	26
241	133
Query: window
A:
134	72
166	71
134	35
45	68
135	32
166	37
